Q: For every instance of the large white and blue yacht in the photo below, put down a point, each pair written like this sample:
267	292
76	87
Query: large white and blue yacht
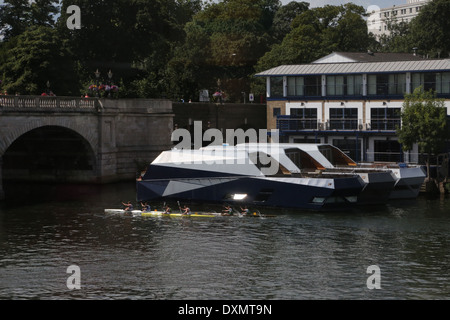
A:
278	175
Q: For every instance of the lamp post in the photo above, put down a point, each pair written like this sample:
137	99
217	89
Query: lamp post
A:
110	75
219	86
97	76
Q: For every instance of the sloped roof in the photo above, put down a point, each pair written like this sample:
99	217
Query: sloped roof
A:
368	57
358	68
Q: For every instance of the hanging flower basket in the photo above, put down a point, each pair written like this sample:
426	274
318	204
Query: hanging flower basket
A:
103	90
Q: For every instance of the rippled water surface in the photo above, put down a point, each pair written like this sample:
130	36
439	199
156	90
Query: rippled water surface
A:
295	255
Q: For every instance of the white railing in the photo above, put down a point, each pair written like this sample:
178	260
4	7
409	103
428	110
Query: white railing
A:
46	102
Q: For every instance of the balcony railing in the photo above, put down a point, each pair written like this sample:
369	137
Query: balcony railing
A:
304	90
372	90
288	123
386	89
385	124
46	102
344	90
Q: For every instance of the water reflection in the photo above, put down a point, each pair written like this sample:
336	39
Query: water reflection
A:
297	255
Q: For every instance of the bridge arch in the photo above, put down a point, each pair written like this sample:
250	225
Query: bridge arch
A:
49	153
79	126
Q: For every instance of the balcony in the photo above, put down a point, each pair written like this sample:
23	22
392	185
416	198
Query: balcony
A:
289	123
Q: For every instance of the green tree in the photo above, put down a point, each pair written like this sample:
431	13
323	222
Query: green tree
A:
36	56
224	41
430	30
134	39
284	16
14	18
315	33
399	38
318	32
43	12
424	121
17	15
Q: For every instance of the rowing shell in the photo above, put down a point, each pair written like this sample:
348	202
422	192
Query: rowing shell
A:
155	213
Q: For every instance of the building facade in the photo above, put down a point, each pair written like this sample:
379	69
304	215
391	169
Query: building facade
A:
377	22
355	106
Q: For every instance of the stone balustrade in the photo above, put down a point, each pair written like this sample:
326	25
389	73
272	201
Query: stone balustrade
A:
48	102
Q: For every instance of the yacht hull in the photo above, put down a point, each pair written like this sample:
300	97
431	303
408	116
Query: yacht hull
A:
408	182
304	193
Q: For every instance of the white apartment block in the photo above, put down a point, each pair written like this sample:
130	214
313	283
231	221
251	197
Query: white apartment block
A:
377	20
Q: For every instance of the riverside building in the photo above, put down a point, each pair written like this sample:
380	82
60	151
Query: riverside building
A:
351	100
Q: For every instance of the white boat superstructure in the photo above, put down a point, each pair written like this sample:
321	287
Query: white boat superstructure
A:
321	159
383	181
256	176
312	176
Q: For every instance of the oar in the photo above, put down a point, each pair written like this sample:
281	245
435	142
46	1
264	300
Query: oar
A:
238	212
259	213
179	207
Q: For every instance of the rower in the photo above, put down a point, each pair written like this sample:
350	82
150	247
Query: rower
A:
128	206
186	210
146	207
244	211
167	210
228	211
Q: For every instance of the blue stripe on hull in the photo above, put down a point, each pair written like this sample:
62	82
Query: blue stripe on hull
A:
263	192
174	172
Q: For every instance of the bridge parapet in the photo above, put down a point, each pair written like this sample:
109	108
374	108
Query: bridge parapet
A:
28	103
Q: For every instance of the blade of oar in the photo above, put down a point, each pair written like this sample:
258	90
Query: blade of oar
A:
238	212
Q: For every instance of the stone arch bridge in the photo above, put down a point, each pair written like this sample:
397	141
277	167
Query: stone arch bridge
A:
67	139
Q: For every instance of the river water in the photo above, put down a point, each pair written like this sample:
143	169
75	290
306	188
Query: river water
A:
296	255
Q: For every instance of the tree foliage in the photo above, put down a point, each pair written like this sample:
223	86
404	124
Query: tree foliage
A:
398	39
318	32
18	15
36	56
424	121
283	18
224	41
429	32
174	48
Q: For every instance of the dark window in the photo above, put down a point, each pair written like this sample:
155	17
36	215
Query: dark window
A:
300	119
351	147
276	87
343	118
276	112
385	118
313	86
388	150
